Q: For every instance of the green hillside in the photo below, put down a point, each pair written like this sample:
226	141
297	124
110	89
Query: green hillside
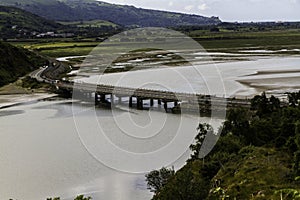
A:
44	8
14	21
16	62
86	10
18	23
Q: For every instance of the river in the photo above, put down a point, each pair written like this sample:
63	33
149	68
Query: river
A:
45	151
42	154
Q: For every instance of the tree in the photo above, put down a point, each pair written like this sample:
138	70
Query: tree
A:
157	179
187	183
297	153
203	130
81	197
294	98
261	104
275	103
237	122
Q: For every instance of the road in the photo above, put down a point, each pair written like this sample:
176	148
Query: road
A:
37	74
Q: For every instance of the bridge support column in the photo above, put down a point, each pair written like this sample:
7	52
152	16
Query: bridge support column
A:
159	102
175	103
166	106
139	104
120	100
130	102
96	99
112	100
151	102
102	98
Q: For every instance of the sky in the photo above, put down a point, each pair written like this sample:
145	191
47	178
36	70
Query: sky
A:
227	10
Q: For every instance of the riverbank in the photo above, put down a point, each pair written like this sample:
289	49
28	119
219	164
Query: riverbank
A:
14	94
17	99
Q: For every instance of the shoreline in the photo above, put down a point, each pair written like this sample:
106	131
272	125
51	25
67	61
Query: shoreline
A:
10	100
270	72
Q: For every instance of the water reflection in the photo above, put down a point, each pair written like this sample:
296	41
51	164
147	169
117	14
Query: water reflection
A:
41	154
4	113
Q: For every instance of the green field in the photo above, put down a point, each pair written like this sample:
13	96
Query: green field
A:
223	41
93	23
271	40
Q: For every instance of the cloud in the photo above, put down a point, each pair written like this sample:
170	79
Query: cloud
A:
188	7
227	10
203	7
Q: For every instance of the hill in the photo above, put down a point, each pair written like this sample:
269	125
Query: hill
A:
16	62
86	10
17	22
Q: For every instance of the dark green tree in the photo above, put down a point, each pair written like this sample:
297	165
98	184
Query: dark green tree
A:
157	179
203	130
81	197
297	153
188	183
262	105
294	98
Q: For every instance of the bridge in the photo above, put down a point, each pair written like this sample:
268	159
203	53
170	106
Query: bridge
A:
107	94
180	101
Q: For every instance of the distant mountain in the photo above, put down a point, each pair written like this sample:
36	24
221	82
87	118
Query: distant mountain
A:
85	10
18	23
16	62
14	21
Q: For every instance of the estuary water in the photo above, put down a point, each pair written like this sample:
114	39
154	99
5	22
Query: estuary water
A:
42	153
47	147
243	79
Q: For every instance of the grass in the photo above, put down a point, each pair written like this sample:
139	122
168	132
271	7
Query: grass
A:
59	48
273	40
93	23
257	171
64	52
224	41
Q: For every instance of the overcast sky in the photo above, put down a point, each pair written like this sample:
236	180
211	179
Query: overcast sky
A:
227	10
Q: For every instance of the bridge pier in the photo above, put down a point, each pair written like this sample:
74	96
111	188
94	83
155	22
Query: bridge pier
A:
102	98
140	104
166	106
151	102
159	101
130	102
175	103
112	100
96	99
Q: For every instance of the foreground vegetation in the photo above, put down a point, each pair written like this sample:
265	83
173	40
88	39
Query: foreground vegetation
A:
257	157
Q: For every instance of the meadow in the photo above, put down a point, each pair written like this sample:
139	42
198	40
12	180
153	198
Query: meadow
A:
221	41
